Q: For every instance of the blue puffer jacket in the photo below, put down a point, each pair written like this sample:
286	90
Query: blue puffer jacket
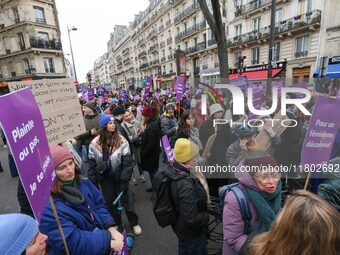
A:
84	225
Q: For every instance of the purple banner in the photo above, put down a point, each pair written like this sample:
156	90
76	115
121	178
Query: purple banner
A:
125	250
26	137
320	136
167	148
90	94
180	87
241	82
147	88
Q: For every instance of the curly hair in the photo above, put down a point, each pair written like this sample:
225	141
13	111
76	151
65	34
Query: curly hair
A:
109	141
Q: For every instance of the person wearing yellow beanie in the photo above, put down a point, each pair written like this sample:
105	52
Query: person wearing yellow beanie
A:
190	197
185	150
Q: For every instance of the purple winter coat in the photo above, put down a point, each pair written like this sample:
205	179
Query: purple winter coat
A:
233	224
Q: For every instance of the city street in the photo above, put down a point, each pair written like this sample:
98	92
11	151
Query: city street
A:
153	241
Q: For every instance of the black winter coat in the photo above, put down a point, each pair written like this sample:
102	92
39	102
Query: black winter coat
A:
150	147
190	200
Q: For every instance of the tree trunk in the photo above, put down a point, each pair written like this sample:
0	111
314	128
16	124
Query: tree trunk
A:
217	28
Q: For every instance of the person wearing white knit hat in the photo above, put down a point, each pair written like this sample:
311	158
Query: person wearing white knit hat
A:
20	235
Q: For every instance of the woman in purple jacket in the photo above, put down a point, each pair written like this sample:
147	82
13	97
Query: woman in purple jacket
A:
262	189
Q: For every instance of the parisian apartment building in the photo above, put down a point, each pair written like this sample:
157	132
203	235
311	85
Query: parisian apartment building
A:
30	46
306	41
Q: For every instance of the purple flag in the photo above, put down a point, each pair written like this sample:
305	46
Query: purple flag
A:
147	88
322	129
241	82
125	250
90	93
167	148
180	87
26	137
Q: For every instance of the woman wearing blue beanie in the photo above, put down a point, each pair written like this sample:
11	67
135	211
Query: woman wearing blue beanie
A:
88	227
111	164
20	235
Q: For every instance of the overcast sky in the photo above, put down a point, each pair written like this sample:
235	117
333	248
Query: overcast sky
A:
95	21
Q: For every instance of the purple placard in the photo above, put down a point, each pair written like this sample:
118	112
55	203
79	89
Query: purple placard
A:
241	82
167	148
125	250
279	85
156	95
26	137
136	97
302	85
180	87
90	93
147	88
85	95
322	129
257	101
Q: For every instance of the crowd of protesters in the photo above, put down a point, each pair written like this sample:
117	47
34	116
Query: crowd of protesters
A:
123	134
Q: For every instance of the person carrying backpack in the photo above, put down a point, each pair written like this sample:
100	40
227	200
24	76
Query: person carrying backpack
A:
181	199
252	206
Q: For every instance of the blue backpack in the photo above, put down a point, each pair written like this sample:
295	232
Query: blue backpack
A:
242	201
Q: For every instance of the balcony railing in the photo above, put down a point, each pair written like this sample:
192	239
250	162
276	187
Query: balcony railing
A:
142	54
153	48
39	43
301	54
197	48
252	6
186	12
152	33
298	22
160	28
41	21
142	66
191	30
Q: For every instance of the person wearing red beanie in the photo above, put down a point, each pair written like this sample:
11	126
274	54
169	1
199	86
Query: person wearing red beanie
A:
150	149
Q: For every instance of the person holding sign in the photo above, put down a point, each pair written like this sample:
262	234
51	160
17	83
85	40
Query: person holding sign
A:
20	235
112	162
87	225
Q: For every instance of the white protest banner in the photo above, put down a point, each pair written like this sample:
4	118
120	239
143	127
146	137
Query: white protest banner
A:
59	105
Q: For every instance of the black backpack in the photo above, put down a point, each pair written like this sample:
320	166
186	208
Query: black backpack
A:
163	204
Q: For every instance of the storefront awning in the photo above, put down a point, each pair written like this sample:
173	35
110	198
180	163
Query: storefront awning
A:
256	75
333	71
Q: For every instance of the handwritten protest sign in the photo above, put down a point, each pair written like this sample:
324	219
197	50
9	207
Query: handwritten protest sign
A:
59	105
26	138
167	148
263	140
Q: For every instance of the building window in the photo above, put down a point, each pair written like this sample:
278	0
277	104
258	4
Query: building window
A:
12	69
276	52
302	46
278	16
16	15
256	23
238	30
26	65
238	54
49	67
21	41
43	36
39	14
255	56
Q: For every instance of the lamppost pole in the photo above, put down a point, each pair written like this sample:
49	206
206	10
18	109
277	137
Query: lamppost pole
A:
271	45
69	38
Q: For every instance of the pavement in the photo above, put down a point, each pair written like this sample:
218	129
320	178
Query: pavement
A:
154	239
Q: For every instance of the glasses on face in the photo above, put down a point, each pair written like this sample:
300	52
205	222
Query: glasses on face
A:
267	176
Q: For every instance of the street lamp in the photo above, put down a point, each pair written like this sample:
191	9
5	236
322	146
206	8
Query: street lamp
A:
69	38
